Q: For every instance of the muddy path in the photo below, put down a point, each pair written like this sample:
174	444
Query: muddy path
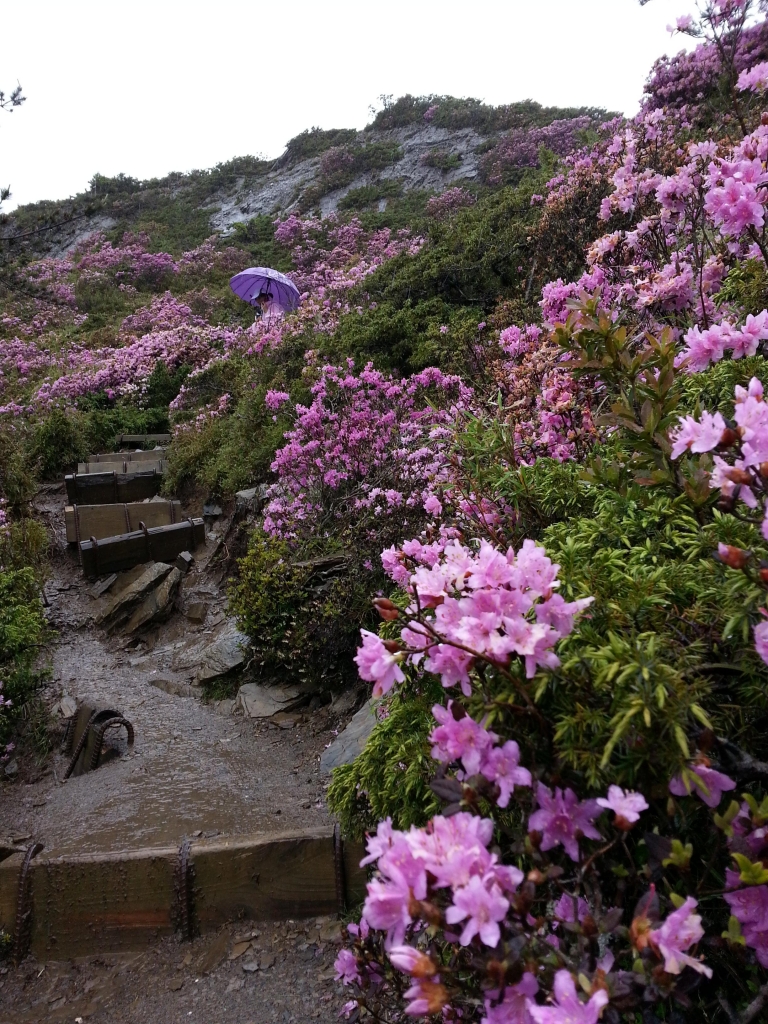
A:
196	769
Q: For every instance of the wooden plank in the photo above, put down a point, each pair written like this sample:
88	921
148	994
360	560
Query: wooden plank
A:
153	513
152	455
102	902
102	521
271	878
9	890
108	488
123	466
161	544
103	467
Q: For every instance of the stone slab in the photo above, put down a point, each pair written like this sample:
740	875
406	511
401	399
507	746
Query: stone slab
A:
351	741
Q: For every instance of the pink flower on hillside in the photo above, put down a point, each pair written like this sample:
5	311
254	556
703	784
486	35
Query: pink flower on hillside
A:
561	819
411	961
347	968
502	766
713	785
761	638
482	908
681	930
386	908
697	437
513	1008
754	79
626	806
427	997
461	739
750	907
376	665
274	399
568	1009
432	505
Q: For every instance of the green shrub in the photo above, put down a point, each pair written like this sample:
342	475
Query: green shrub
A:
389	778
302	608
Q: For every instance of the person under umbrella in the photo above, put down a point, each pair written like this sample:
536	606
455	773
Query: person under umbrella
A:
268	308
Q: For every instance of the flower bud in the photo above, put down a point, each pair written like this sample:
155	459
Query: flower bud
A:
392	646
732	556
411	961
536	877
386	609
763	470
739	476
729	438
763	574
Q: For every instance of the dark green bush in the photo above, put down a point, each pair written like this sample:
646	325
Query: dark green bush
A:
303	608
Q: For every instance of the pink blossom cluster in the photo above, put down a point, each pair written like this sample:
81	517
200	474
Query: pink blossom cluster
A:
368	443
470	607
520	146
687	81
741	477
447	202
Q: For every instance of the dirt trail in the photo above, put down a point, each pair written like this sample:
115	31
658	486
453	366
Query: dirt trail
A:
195	769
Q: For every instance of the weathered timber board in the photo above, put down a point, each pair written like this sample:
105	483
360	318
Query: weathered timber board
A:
111	902
101	521
149	456
274	878
102	903
108	488
160	544
122	466
9	890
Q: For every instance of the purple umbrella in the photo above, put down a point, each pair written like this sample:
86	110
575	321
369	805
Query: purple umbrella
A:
251	283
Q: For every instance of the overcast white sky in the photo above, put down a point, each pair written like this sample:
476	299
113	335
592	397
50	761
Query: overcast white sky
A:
152	86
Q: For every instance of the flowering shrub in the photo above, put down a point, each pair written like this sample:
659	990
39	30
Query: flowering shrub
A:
448	201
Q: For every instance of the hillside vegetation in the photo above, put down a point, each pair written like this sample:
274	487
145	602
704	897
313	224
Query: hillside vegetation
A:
519	411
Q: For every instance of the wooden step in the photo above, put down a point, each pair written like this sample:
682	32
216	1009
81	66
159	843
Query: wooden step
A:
101	521
153	455
159	544
121	465
110	902
104	488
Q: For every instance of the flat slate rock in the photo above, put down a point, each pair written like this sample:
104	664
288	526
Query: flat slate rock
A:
257	701
226	653
351	741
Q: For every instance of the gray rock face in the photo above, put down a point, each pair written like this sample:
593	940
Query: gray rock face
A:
224	655
175	687
257	701
158	604
122	606
349	743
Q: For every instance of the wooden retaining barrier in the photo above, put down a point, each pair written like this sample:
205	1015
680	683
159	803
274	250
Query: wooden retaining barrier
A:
107	903
104	488
159	544
120	465
152	455
100	521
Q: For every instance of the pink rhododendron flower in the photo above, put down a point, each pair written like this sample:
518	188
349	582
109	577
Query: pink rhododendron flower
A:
502	766
411	961
562	818
461	739
714	784
568	1008
626	806
750	907
347	968
696	436
681	930
426	997
482	907
761	640
513	1007
377	665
